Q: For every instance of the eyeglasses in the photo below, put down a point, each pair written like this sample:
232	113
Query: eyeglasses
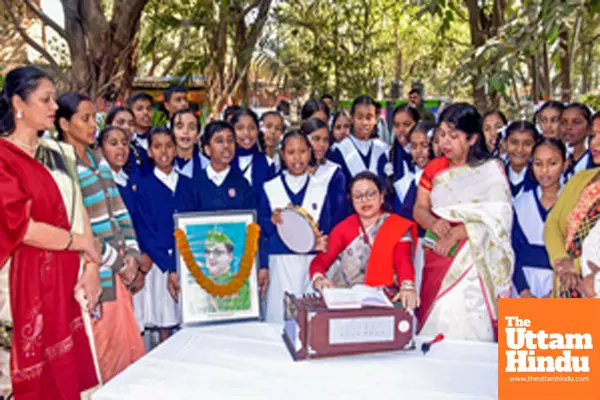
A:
366	196
215	253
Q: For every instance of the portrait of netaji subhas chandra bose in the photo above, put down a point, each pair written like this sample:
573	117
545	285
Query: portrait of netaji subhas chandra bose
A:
220	262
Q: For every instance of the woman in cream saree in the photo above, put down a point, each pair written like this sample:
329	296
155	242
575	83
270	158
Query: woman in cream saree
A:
465	200
459	294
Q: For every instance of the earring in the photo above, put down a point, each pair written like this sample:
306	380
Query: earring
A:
19	115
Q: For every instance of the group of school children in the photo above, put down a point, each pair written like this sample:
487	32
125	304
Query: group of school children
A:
489	187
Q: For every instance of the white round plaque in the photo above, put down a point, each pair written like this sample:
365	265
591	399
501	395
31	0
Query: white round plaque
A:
403	326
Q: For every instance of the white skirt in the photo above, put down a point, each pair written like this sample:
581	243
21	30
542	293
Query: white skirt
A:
419	262
540	281
287	273
461	313
153	306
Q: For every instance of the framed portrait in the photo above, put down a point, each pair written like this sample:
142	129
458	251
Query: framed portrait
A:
217	242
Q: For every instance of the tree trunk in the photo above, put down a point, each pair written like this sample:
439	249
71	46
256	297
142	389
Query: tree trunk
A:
477	40
534	74
547	90
565	64
222	82
588	55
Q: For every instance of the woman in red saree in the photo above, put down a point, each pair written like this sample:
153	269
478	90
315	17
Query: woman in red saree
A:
464	199
374	247
43	229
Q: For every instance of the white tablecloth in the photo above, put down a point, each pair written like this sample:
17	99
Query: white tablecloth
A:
250	361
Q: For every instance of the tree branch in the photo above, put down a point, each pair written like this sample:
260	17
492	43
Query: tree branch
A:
45	18
175	57
247	10
36	46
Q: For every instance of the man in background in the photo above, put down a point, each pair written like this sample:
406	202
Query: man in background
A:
416	100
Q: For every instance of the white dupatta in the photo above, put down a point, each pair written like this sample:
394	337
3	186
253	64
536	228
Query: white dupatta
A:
480	198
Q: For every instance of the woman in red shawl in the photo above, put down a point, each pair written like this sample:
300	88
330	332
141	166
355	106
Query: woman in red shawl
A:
43	230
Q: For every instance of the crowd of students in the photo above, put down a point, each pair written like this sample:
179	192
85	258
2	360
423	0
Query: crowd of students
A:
453	214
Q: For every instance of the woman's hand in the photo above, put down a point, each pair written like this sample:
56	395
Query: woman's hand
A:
586	285
130	270
90	246
441	228
138	283
526	294
276	217
444	245
173	286
567	272
89	286
322	243
409	298
263	281
323	283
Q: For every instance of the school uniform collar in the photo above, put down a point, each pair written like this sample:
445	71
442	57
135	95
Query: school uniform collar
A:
217	177
363	146
141	139
240	151
121	178
295	183
169	180
514	177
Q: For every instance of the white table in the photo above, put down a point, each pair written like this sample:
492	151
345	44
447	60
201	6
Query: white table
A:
250	361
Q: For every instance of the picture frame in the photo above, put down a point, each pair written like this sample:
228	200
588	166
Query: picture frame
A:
217	242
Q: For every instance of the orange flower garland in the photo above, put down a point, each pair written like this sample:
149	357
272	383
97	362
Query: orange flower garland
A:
246	263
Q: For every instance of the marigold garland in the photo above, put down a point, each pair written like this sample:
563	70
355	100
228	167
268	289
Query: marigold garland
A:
246	263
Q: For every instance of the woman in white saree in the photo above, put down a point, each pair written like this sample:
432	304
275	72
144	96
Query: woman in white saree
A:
464	199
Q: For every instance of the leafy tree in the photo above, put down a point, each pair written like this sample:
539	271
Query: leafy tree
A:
101	49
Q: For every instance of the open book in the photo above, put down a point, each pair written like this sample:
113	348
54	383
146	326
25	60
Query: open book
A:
357	296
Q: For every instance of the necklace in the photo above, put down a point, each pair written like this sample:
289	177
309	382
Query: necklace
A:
24	145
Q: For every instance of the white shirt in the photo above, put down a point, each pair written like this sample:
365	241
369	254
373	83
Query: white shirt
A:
295	183
244	162
169	180
141	141
217	177
514	177
276	160
121	178
363	146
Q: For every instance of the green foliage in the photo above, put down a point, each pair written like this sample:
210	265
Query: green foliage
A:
159	118
344	47
592	100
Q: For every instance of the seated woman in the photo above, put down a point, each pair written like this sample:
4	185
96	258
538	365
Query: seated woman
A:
572	220
465	200
533	274
364	242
